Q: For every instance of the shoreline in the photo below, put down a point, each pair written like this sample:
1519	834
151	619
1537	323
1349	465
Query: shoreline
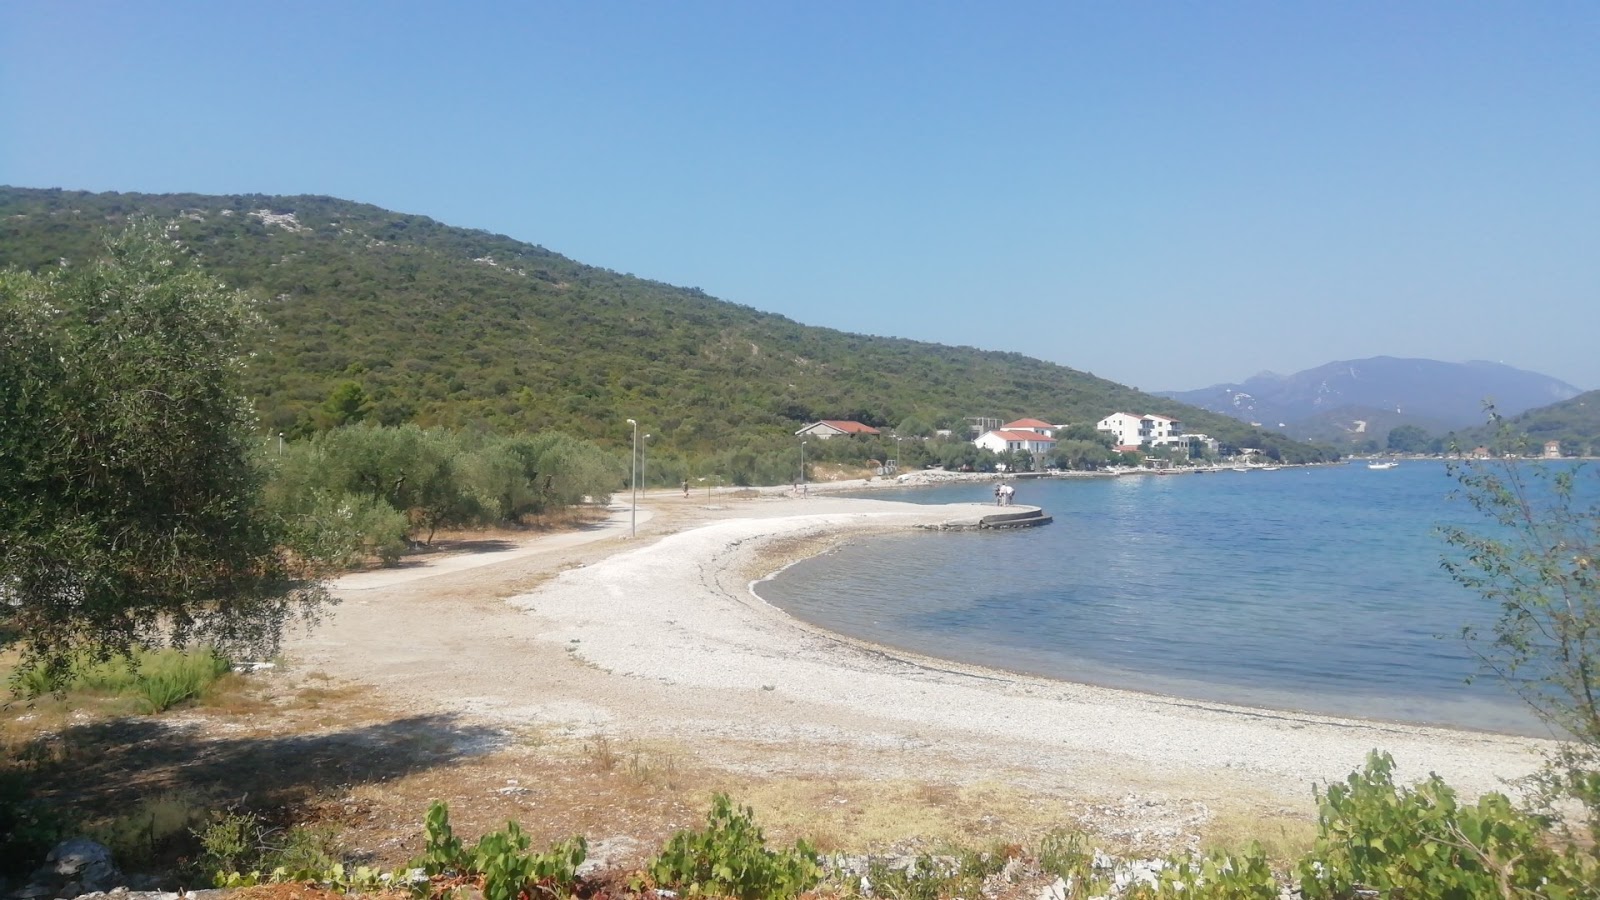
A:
710	610
591	636
833	540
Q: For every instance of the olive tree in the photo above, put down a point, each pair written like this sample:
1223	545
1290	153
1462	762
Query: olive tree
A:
130	486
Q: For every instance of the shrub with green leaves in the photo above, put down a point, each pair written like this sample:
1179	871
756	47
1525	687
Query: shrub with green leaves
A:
729	858
1424	842
501	858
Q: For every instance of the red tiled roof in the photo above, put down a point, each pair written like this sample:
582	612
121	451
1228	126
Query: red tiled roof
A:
1022	436
849	427
1027	423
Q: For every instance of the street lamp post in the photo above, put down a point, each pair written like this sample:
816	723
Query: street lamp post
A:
280	443
633	478
805	489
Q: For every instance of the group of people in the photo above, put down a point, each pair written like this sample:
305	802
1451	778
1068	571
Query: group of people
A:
1003	494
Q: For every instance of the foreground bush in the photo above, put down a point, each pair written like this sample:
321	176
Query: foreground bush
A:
1424	842
730	859
1375	840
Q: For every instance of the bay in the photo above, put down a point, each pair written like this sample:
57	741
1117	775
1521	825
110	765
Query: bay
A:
1309	589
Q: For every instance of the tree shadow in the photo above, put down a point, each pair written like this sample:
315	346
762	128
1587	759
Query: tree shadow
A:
98	767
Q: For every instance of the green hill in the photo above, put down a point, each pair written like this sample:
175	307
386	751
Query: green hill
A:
450	326
1574	422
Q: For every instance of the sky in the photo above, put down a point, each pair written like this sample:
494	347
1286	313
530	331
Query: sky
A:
1169	195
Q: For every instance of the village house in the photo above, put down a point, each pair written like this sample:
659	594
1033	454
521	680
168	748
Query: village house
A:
828	428
1552	449
1003	440
1130	430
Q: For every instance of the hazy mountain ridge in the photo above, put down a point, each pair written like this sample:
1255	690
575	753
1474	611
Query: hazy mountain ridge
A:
1335	397
445	325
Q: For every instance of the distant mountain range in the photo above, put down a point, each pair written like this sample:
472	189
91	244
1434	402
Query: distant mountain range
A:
1362	399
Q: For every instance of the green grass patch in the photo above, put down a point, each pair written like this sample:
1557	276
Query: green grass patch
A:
156	680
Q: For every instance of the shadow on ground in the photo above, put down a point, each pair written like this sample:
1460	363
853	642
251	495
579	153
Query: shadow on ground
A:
95	768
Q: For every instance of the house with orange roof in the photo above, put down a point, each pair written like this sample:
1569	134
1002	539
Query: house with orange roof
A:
1003	440
1035	425
829	428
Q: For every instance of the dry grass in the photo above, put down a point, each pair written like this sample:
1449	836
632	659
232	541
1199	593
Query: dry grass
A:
1284	835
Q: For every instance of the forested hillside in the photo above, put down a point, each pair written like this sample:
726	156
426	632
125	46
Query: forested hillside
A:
1575	423
394	318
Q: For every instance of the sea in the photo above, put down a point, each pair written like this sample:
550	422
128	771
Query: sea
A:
1313	589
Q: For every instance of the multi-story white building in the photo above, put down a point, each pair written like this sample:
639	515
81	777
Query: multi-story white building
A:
1131	430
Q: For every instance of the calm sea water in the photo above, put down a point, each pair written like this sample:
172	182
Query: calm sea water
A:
1305	589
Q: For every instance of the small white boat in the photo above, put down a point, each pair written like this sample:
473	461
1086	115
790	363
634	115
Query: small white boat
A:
1383	465
1270	468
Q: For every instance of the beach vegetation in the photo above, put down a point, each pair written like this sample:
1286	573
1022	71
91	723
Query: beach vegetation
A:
360	491
730	858
1424	841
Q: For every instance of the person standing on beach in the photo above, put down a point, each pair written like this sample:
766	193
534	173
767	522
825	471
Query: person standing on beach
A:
686	490
999	490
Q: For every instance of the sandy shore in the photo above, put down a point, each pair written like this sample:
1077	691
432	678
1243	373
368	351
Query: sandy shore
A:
662	637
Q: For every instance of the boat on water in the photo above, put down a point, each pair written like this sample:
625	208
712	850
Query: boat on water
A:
1387	464
1270	468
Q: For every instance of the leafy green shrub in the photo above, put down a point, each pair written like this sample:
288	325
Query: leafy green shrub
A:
229	844
441	849
1423	842
730	859
500	858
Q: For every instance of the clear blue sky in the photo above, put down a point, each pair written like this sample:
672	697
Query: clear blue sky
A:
1166	194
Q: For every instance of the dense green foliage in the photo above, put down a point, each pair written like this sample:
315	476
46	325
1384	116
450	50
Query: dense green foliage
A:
394	318
362	490
1424	842
729	858
131	498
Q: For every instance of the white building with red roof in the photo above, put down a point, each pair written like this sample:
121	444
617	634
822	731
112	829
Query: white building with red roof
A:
828	428
1004	439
